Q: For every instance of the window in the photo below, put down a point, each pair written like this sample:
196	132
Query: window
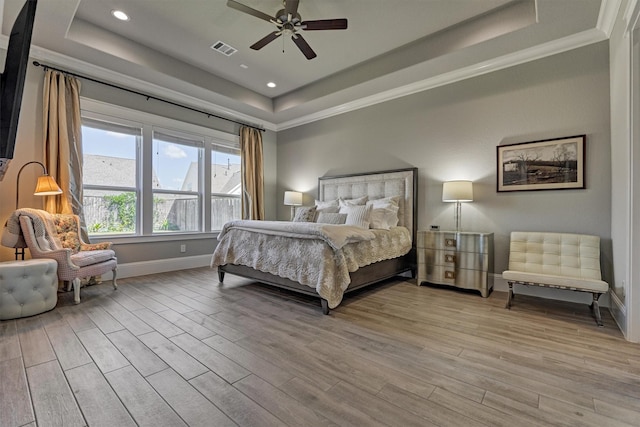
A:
145	175
226	184
109	173
177	174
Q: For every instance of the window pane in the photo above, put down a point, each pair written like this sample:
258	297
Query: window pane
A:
175	212
109	155
225	171
175	166
108	212
225	185
224	209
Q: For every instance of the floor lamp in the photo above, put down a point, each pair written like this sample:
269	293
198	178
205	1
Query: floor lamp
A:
458	192
45	186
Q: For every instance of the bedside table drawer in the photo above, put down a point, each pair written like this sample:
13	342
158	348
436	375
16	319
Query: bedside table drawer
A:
468	260
458	277
461	242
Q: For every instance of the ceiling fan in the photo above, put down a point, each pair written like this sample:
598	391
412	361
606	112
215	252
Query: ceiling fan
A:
289	22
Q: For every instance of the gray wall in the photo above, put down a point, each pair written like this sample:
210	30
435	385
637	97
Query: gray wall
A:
448	133
452	132
28	147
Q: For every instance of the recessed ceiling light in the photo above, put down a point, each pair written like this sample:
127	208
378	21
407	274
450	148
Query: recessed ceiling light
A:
120	15
271	84
244	66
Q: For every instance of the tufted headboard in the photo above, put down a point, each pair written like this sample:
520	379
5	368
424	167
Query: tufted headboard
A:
376	185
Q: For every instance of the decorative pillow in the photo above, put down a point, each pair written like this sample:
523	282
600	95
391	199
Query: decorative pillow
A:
305	214
384	217
394	200
353	202
327	206
67	230
357	215
331	218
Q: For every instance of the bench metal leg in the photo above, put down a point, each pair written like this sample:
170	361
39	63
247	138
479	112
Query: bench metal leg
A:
595	308
509	296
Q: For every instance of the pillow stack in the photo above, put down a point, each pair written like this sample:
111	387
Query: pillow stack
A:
378	213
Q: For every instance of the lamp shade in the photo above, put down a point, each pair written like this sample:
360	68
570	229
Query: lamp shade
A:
457	191
47	186
292	198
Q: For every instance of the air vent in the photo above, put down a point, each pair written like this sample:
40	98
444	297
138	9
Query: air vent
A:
223	48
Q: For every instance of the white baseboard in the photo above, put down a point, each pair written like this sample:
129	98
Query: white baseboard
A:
619	312
500	284
134	269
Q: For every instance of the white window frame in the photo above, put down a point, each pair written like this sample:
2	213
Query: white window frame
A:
189	140
212	147
148	122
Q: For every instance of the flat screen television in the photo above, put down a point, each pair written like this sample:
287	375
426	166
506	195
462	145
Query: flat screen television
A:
12	80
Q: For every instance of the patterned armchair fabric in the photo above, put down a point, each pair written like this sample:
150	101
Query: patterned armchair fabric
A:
68	230
56	236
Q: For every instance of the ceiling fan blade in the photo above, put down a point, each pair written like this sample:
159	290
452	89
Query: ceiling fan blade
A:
265	40
303	46
291	7
325	24
246	9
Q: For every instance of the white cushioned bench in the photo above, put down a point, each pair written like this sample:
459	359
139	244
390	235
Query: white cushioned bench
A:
27	287
556	260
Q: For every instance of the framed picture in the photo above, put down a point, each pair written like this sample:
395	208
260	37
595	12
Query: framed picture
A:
551	164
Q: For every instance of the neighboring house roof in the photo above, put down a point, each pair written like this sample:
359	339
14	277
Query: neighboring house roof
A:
232	186
121	172
116	171
225	178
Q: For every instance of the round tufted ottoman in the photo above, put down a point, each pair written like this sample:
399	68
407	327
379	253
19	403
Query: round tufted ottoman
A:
27	287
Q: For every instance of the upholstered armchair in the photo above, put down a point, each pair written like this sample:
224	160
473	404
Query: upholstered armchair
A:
57	236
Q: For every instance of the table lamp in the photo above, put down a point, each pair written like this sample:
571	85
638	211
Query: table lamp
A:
458	192
293	199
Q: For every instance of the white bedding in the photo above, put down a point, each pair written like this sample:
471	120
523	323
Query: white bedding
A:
316	255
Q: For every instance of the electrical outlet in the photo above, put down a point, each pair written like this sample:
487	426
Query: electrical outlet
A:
183	248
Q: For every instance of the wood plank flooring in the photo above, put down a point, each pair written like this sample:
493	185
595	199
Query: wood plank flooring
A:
180	349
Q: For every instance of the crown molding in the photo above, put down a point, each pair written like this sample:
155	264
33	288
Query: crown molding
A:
536	52
607	16
631	15
606	21
49	57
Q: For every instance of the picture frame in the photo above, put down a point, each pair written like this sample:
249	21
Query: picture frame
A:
550	164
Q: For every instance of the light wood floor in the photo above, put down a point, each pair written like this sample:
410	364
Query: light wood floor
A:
179	349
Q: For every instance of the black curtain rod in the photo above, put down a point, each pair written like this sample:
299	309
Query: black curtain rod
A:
166	101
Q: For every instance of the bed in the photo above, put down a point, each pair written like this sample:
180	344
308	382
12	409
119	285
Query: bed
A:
243	246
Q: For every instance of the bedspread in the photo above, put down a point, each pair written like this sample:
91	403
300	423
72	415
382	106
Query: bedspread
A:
312	259
335	235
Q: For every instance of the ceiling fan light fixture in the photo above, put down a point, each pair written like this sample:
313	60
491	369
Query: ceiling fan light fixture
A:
288	22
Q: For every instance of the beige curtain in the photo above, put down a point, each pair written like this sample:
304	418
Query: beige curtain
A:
252	173
63	142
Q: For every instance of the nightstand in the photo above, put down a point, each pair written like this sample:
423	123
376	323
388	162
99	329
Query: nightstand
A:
459	259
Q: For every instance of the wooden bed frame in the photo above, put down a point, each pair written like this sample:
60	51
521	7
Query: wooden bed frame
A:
352	186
